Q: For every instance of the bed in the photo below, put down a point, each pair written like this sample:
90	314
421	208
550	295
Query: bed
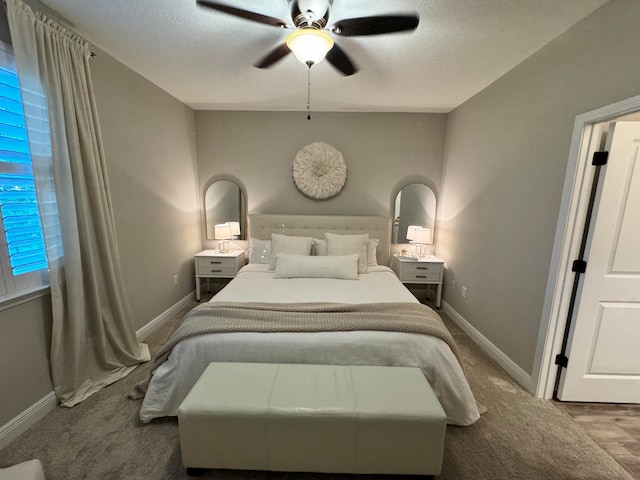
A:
255	284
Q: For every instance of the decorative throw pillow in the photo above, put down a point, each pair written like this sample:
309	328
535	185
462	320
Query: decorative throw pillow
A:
372	249
348	244
288	244
344	267
319	247
259	251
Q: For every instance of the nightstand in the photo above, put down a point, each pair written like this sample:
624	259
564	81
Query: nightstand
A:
213	264
425	271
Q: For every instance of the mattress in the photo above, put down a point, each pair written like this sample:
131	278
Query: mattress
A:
173	379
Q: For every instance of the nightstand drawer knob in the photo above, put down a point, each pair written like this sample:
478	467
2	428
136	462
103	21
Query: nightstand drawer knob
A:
213	262
422	268
421	276
216	271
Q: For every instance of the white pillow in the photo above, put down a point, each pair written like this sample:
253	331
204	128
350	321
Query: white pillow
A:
259	251
319	247
348	244
344	267
288	244
372	247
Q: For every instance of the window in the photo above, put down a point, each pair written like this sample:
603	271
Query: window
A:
23	259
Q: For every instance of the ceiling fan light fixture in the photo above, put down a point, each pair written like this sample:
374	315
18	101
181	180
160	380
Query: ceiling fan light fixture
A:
310	45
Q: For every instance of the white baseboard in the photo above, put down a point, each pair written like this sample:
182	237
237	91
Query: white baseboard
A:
517	373
164	317
20	424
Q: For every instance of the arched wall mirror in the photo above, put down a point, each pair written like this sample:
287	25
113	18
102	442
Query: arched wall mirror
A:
415	204
224	201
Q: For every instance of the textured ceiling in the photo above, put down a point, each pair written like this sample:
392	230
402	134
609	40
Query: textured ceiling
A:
204	58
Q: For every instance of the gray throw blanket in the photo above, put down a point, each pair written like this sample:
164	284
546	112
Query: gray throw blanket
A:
227	317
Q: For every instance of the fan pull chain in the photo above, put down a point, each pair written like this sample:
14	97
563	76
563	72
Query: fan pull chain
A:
309	92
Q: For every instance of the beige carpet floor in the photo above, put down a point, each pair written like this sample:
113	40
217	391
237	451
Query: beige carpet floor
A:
519	437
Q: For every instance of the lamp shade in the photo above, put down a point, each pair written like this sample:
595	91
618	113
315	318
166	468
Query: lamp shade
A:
422	236
411	231
222	231
235	228
309	45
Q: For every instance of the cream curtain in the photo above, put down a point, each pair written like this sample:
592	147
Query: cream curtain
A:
93	341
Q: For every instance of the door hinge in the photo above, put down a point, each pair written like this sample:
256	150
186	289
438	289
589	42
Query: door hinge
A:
600	158
579	266
562	360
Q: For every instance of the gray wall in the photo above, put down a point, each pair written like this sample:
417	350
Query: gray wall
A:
25	339
379	149
149	141
150	149
506	156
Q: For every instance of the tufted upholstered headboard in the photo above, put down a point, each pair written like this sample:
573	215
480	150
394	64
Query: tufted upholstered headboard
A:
261	226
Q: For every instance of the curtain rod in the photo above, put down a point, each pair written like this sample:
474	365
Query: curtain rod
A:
92	54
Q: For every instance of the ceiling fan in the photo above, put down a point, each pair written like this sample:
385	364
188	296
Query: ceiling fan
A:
311	39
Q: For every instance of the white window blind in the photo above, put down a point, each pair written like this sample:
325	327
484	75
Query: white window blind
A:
23	258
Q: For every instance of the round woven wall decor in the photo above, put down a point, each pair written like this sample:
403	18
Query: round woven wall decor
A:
319	170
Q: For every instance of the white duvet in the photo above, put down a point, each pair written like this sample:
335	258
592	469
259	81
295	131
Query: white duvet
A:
254	283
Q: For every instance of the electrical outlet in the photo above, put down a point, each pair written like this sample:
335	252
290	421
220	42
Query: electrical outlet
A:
454	284
464	292
175	279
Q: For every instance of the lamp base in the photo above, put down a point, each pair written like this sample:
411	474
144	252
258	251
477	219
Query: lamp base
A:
223	246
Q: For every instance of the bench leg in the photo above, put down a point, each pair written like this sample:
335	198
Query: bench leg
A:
195	472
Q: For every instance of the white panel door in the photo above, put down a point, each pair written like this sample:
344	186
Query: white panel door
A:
604	346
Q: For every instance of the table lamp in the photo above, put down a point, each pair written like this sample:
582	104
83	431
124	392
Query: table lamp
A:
222	233
422	237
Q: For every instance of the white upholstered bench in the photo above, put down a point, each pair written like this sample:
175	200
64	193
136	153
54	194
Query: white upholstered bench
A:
29	470
312	418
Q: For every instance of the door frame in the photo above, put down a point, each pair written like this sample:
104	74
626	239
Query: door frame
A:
567	241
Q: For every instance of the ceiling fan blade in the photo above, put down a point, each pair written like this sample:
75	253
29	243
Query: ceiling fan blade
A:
341	61
273	56
351	27
246	14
